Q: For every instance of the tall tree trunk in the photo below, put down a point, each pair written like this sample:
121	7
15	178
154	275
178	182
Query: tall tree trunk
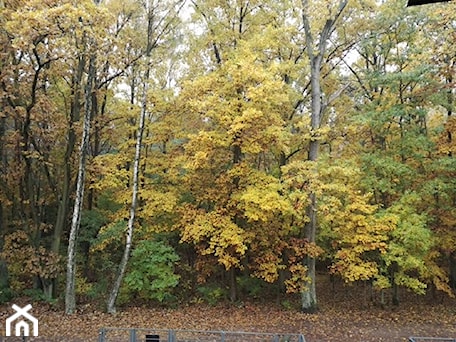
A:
111	305
450	98
70	297
452	270
233	284
2	165
450	104
393	269
4	279
315	54
64	196
309	295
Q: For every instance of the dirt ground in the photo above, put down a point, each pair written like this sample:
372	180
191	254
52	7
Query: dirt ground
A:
345	315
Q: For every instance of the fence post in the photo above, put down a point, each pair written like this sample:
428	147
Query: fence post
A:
102	335
223	336
132	335
171	337
301	338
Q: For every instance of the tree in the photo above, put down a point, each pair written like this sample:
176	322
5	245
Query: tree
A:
70	301
231	197
256	140
89	51
157	32
316	48
40	55
439	190
129	237
396	151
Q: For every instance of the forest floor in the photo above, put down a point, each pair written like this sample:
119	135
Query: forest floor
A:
344	315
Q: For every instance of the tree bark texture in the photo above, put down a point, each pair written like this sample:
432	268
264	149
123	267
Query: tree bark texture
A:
70	297
64	196
111	305
315	54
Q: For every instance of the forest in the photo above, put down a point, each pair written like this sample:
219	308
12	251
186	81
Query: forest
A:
175	151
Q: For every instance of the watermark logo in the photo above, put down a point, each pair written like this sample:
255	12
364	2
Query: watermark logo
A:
21	321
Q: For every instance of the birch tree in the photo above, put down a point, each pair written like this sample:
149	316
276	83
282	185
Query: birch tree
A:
89	49
70	301
134	196
160	22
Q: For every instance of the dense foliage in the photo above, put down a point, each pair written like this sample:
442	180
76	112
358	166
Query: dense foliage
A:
229	184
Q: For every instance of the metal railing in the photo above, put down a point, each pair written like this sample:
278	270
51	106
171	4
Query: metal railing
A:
160	335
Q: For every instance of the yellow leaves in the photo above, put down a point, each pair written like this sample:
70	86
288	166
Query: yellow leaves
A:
115	175
206	150
437	274
268	265
382	282
215	233
357	270
297	250
124	7
158	201
238	109
411	282
54	20
299	176
300	248
199	160
263	203
299	280
241	103
446	145
318	12
351	222
373	243
361	238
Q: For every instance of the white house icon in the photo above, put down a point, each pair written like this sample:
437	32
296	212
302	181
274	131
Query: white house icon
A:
22	327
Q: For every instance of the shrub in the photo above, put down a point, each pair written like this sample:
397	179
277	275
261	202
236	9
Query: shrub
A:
151	271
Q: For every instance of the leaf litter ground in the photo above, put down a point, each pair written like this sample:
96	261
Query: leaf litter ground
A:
344	316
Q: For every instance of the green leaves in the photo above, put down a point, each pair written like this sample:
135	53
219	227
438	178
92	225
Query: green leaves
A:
226	165
409	244
151	270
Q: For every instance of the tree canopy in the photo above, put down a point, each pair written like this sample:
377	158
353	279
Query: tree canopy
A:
231	148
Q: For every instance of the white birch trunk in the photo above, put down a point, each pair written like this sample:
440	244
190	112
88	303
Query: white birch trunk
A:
151	16
70	297
111	305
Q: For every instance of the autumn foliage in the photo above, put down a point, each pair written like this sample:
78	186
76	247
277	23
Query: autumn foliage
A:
226	178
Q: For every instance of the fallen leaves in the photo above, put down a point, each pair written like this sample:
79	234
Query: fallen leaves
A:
342	317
